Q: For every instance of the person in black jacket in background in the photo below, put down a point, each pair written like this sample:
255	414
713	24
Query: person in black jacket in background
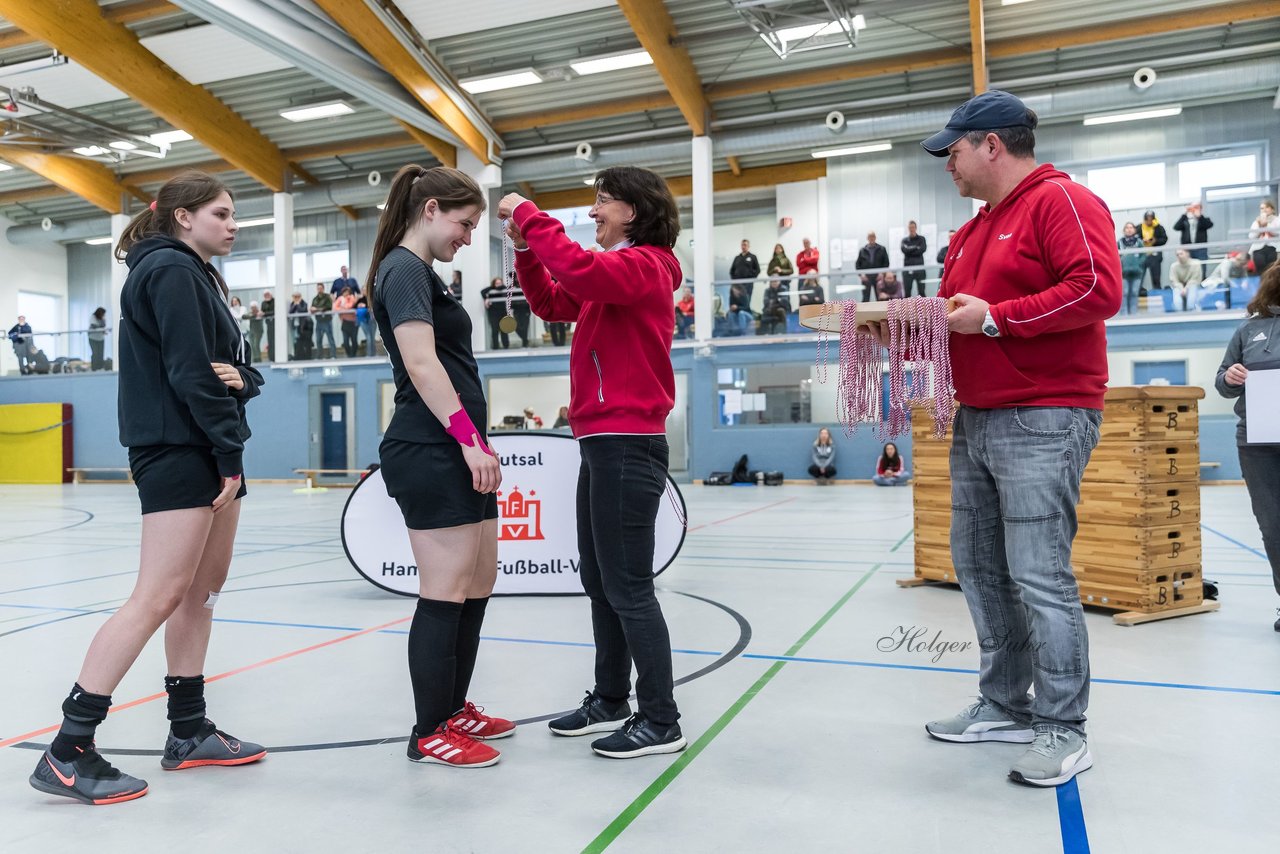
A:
1194	227
872	256
184	377
913	248
745	266
942	253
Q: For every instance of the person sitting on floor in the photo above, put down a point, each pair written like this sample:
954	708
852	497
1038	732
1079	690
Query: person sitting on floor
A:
823	469
891	469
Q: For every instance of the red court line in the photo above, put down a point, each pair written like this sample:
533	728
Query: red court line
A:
17	739
728	519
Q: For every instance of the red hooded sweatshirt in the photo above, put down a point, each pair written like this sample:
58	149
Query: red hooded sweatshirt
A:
1045	259
620	374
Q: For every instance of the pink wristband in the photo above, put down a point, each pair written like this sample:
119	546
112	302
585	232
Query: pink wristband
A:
465	433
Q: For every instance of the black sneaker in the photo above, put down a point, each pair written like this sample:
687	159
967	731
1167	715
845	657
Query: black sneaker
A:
596	714
210	746
88	778
1277	626
640	737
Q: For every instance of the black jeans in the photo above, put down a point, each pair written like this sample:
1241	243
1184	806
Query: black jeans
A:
1151	267
1260	465
620	485
350	343
912	277
96	360
559	333
822	471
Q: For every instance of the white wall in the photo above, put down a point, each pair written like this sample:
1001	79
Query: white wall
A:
39	269
800	201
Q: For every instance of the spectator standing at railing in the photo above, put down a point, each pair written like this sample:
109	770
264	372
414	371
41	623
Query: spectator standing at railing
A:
1194	227
345	306
322	308
745	266
913	248
520	308
98	339
364	319
455	285
1153	234
942	253
254	314
780	265
344	281
1266	231
1130	266
872	256
807	259
239	312
269	315
1184	278
495	297
20	336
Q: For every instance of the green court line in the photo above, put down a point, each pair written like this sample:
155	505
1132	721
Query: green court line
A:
905	537
633	810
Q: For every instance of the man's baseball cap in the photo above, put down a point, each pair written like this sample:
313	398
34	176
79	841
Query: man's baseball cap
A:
989	111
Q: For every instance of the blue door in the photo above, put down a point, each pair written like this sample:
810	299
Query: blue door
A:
333	430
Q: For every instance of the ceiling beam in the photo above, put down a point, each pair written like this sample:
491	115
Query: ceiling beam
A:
978	46
88	179
841	73
653	26
31	194
445	152
734	166
350	146
112	52
122	13
638	104
682	185
364	25
1163	24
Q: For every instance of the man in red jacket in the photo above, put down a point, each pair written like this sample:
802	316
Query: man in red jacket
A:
1034	275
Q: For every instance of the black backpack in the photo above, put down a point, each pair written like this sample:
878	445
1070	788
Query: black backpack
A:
740	473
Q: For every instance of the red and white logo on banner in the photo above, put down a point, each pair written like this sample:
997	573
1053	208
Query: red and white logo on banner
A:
520	518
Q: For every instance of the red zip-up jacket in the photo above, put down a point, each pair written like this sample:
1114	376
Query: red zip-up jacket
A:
1045	259
620	375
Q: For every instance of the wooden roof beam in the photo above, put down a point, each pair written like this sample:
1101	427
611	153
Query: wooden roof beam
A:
978	46
653	26
121	13
88	179
759	176
112	52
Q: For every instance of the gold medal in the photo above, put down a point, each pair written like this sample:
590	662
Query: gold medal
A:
507	325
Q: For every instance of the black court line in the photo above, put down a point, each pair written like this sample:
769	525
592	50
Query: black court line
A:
744	639
88	515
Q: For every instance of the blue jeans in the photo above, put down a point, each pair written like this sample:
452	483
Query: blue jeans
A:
1015	482
900	479
371	347
1132	281
324	329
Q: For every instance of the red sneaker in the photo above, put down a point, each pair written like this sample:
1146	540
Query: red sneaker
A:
447	746
471	721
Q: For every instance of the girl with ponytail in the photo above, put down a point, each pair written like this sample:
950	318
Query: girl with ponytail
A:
436	459
184	378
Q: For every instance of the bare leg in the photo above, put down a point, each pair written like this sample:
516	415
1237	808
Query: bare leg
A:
485	574
186	633
447	559
172	544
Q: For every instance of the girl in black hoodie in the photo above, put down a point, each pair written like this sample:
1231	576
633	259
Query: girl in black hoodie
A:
184	378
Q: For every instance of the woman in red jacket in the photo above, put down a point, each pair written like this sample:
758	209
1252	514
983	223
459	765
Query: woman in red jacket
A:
622	388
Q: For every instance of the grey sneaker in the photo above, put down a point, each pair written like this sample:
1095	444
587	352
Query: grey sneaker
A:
88	778
1056	756
596	714
980	722
210	746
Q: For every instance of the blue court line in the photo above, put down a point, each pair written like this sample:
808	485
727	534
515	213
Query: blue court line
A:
1250	549
1075	839
72	581
45	608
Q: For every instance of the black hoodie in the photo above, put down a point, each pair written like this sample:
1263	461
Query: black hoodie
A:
174	321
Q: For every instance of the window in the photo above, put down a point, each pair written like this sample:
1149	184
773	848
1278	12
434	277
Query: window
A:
765	394
1160	373
242	274
1128	187
1195	175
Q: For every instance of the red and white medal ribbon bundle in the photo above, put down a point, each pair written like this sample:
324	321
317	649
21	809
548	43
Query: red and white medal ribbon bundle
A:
917	327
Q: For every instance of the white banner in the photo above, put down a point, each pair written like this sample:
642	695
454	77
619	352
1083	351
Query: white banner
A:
537	522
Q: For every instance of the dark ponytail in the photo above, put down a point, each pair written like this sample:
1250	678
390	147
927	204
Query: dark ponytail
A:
412	187
189	191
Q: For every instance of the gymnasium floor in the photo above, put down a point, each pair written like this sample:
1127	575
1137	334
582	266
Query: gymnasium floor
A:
804	735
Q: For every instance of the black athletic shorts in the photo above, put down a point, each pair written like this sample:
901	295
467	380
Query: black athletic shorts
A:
432	485
176	477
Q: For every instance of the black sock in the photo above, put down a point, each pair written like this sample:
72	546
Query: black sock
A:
468	645
81	714
186	704
433	641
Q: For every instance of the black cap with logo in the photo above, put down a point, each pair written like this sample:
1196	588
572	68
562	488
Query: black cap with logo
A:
989	111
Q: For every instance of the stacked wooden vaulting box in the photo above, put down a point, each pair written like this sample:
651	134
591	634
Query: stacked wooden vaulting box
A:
1138	546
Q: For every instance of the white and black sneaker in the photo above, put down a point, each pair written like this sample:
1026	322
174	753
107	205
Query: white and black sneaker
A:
596	714
640	737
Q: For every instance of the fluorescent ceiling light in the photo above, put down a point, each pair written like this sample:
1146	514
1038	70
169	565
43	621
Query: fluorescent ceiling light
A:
5	167
382	207
1013	2
317	111
122	145
590	182
250	223
795	34
169	137
612	63
98	241
1153	113
510	80
90	150
862	148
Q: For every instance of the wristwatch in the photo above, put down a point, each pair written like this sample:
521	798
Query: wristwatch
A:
989	327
